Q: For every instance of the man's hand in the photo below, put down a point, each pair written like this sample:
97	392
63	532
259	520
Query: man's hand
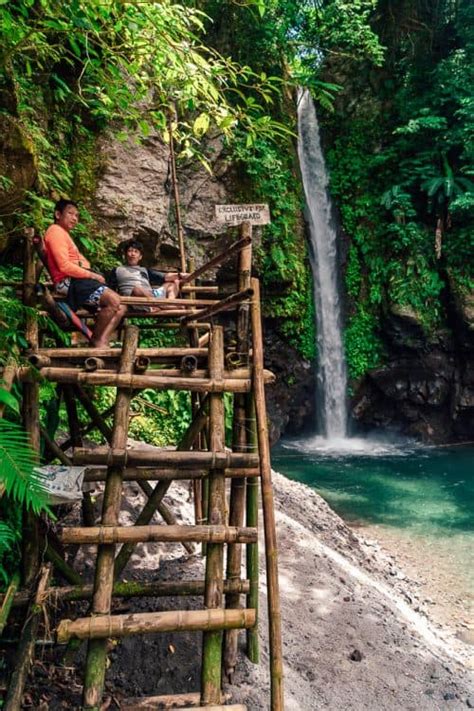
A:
98	277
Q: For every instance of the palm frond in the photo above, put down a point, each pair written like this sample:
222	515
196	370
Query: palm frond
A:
17	468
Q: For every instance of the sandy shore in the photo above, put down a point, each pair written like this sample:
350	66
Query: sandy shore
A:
344	598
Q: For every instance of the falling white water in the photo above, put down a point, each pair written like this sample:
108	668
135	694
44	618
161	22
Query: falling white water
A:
332	377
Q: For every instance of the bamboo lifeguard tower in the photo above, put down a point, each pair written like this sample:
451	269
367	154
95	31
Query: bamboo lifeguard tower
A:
226	486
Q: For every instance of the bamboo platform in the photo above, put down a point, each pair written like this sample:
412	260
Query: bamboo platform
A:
226	483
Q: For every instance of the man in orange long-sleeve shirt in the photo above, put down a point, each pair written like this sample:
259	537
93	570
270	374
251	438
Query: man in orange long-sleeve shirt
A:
73	277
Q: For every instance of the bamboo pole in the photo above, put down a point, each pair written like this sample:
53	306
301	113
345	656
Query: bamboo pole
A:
92	426
60	565
222	305
104	574
238	486
30	407
252	648
193	336
159	588
104	626
54	448
139	382
177	207
216	261
8	376
26	647
88	514
148	474
192	288
211	674
271	554
97	418
184	460
98	535
8	600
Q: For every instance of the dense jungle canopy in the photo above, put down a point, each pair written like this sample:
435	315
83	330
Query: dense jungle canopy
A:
393	85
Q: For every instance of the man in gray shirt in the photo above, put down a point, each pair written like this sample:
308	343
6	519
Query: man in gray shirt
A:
131	279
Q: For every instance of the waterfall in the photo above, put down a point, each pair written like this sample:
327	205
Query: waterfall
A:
332	377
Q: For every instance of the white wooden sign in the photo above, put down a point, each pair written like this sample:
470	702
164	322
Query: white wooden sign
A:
236	214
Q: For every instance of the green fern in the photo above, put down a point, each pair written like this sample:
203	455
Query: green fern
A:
9	539
17	468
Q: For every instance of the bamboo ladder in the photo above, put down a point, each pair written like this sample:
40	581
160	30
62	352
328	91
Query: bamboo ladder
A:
130	370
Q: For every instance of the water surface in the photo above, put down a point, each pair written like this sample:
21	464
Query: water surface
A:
422	497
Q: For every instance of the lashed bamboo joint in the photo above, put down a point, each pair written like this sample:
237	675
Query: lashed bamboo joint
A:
149	622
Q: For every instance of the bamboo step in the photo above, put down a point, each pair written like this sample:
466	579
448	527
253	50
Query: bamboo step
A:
104	626
183	460
97	535
139	382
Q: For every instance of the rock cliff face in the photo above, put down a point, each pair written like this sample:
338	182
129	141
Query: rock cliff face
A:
426	387
134	198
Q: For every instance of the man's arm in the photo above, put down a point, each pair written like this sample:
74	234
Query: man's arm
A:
156	277
112	279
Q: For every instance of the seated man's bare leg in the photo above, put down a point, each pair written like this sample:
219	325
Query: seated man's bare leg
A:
108	318
141	291
172	290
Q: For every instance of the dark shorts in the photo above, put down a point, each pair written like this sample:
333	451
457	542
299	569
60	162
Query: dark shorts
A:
84	292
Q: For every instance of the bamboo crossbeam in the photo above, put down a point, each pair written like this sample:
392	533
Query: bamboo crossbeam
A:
217	261
165	588
222	305
98	535
96	366
187	460
199	289
138	382
152	353
153	474
153	301
106	626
